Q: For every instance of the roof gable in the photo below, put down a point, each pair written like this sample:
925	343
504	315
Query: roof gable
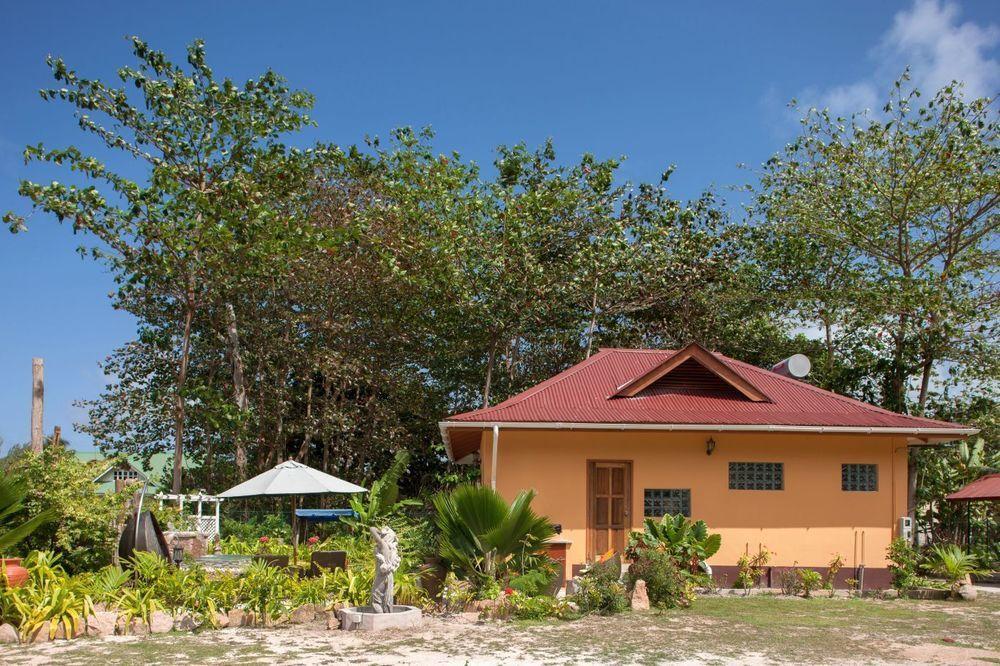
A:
692	369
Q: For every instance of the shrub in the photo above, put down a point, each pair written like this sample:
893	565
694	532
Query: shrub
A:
523	607
832	569
788	580
809	580
666	583
954	564
752	568
687	542
456	595
482	537
84	526
50	598
600	590
903	559
532	583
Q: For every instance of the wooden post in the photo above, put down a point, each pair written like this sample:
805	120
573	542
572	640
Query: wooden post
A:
37	403
295	531
56	435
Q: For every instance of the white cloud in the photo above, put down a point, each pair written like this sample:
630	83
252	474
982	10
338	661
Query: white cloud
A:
939	49
931	40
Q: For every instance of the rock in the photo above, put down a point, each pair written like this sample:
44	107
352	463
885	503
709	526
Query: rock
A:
573	606
40	635
640	598
235	616
302	614
137	627
101	623
890	594
572	586
185	622
160	622
8	634
332	621
221	620
968	592
78	628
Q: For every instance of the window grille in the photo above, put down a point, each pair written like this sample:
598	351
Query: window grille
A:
660	501
756	476
858	477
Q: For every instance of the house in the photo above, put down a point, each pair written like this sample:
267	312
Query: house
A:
114	478
767	460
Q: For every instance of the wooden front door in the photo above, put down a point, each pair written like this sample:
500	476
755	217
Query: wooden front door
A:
609	505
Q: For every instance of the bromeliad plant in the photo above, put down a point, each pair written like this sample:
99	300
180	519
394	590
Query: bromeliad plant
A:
483	538
688	542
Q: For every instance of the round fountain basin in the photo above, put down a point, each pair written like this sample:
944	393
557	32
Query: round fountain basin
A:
363	618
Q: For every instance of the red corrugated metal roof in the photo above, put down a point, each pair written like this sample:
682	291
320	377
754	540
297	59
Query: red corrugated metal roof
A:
986	488
585	394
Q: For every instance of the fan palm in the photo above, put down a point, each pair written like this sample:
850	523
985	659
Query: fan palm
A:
481	533
13	529
955	565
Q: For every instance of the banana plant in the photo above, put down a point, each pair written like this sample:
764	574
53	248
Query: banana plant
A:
381	502
689	542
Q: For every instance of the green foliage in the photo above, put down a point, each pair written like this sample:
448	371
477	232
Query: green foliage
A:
381	504
667	584
83	528
903	561
687	542
751	569
49	599
456	594
262	589
601	591
520	606
832	569
809	581
532	583
482	537
954	564
271	525
14	525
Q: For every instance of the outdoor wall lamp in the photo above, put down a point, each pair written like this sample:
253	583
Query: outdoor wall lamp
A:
709	446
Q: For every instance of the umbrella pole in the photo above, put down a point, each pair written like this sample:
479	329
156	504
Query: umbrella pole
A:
295	532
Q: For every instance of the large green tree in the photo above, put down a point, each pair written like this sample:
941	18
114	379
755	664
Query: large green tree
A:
881	231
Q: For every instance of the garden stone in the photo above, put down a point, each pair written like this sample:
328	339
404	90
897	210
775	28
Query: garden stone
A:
41	635
967	592
236	617
302	614
640	598
102	623
332	621
185	622
222	620
572	586
8	634
138	628
160	622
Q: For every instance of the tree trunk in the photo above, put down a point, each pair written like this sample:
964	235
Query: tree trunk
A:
489	374
178	396
925	380
239	387
593	320
307	434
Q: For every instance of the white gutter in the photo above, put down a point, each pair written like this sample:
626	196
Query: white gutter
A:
940	434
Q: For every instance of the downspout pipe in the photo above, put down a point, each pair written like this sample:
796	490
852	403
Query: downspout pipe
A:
493	464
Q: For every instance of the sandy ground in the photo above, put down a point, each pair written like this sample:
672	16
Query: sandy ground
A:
680	637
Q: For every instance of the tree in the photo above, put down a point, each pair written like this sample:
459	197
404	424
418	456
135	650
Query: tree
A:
907	205
213	164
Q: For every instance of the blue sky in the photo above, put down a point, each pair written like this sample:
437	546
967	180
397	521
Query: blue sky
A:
700	85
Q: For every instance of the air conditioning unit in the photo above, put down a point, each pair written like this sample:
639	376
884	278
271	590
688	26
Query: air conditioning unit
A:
906	528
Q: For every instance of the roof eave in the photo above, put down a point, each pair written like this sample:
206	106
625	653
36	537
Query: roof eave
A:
918	436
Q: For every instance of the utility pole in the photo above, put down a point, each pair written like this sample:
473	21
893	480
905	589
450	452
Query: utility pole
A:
37	403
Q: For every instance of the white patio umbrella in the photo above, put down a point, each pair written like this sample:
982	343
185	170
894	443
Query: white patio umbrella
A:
292	479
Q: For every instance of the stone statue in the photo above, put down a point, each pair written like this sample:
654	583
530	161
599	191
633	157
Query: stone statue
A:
386	562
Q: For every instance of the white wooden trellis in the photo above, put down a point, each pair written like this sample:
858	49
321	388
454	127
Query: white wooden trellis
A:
199	522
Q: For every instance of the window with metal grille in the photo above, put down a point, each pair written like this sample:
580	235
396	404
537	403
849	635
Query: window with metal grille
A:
658	502
858	477
756	476
126	475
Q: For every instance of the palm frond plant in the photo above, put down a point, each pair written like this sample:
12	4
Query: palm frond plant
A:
483	537
955	565
14	528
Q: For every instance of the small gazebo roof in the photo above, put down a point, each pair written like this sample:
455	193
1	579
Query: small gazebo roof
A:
986	488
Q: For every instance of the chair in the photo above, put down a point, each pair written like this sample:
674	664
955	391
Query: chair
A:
327	559
279	561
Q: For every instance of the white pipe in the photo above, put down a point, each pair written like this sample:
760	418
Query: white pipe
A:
493	467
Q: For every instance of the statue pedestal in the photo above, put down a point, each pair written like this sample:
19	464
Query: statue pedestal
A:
361	618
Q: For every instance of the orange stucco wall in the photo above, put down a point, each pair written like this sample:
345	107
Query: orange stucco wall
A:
807	523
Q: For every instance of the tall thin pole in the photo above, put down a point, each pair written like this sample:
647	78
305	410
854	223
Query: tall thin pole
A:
37	403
